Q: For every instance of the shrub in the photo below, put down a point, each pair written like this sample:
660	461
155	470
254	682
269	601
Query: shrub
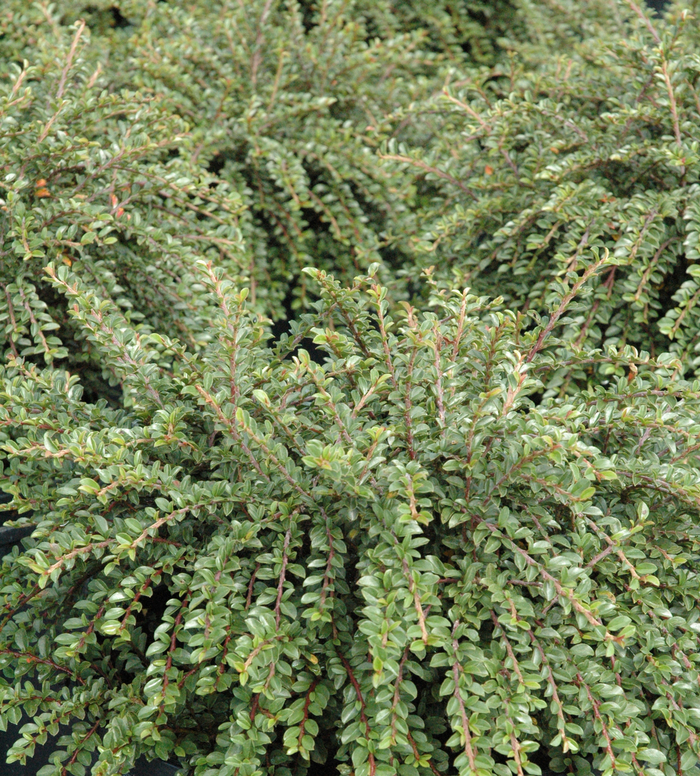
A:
411	553
284	104
400	560
87	181
591	146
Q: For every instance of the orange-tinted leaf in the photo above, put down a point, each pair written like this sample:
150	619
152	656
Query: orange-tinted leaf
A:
488	169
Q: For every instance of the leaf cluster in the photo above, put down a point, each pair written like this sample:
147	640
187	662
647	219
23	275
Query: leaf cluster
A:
88	181
536	161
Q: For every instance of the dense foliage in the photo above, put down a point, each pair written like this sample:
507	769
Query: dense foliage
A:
417	532
534	164
284	109
334	536
87	181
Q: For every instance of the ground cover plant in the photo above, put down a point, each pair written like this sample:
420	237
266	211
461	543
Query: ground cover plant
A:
417	529
335	536
87	180
593	146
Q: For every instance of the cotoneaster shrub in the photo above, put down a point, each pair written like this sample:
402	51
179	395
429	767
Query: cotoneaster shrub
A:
595	145
285	104
401	560
86	180
410	557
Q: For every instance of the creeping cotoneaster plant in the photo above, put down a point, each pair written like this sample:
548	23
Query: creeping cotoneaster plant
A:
537	160
403	539
90	179
400	559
